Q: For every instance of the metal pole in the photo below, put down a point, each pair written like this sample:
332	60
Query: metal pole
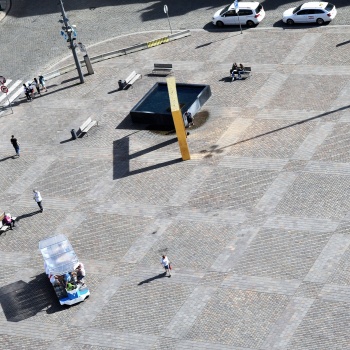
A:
9	103
239	23
171	31
71	43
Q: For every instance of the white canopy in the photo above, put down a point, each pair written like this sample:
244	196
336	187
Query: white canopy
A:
58	255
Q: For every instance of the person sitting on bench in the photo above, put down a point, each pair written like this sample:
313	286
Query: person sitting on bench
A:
8	221
236	69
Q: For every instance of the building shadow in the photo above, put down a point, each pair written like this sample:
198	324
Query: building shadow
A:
122	157
21	300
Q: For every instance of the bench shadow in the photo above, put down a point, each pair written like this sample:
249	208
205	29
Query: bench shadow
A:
21	300
226	79
122	157
148	280
113	91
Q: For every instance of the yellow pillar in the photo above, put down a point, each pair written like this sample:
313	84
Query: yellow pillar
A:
178	120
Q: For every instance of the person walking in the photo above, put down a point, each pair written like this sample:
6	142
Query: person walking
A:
31	89
37	197
27	92
15	145
37	85
42	82
166	264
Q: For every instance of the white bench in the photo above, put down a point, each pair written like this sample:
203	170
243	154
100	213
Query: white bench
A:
86	126
131	79
4	228
162	68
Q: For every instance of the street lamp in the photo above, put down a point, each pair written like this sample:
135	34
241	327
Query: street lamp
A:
71	34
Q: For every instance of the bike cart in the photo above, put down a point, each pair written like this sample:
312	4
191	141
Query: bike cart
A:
61	262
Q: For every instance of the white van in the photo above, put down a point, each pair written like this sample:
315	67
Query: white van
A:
249	13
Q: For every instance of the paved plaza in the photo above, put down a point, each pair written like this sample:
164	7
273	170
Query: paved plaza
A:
256	224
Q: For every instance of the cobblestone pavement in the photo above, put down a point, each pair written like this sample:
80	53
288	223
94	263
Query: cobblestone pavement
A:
257	224
30	41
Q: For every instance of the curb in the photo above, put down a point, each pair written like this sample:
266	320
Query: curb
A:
120	52
4	13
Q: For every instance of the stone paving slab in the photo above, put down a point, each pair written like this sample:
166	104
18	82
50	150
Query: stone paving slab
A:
256	225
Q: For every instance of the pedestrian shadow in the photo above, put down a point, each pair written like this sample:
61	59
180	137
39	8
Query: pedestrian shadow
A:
24	216
21	300
6	158
343	43
148	280
121	158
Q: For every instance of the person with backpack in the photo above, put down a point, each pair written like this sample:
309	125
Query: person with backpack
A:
37	85
15	144
42	82
27	92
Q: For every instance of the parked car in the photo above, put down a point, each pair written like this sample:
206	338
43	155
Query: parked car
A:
310	12
249	13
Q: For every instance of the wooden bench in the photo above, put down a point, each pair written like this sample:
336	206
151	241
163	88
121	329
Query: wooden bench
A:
86	126
131	79
244	73
162	68
4	228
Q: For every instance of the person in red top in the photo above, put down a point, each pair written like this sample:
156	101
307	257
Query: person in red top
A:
7	220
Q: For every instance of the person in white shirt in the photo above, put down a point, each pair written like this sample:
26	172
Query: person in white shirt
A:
166	264
37	197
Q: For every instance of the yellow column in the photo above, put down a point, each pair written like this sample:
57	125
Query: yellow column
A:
177	117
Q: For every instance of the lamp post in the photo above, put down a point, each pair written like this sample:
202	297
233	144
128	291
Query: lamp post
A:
167	13
71	33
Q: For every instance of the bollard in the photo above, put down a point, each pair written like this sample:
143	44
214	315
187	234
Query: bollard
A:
88	65
74	134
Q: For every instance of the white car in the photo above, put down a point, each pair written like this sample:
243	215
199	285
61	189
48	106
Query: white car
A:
310	12
249	13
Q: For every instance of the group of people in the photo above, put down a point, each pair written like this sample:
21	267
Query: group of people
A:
38	84
69	280
236	69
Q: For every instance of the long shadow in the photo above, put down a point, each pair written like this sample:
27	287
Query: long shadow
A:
121	158
286	127
215	41
6	158
343	43
21	300
161	275
24	216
